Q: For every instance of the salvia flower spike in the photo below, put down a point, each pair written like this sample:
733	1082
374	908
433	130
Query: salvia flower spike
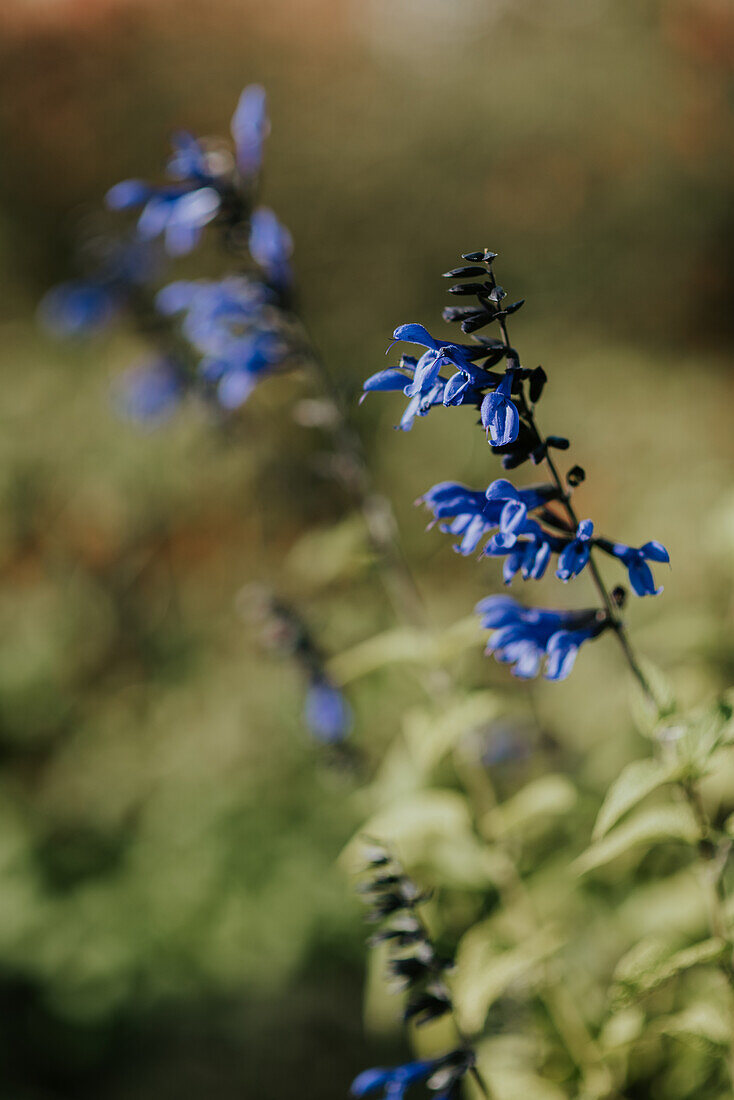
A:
518	524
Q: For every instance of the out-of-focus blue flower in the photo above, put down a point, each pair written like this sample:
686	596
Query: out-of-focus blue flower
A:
393	1083
575	554
326	711
149	392
526	636
271	246
473	513
85	305
233	326
75	307
499	414
189	160
250	127
177	213
636	559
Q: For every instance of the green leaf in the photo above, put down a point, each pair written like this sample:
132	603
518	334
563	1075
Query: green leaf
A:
652	826
635	782
651	962
430	734
703	1023
431	829
548	795
622	1028
511	1063
484	970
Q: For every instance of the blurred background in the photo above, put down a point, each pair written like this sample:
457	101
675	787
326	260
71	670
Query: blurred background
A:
172	919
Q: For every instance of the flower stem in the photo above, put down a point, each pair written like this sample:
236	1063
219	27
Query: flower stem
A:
614	620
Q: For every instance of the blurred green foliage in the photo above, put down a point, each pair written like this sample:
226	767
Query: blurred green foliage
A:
172	918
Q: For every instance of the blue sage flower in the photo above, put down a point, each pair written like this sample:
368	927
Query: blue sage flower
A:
393	1083
499	414
473	514
250	127
424	384
526	549
525	637
442	1076
575	554
271	246
636	559
326	711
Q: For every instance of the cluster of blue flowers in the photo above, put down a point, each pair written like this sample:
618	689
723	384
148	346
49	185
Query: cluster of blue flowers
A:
520	525
417	969
236	329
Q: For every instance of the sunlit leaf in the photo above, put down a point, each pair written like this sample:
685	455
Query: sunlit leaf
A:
484	970
635	782
647	827
549	795
652	962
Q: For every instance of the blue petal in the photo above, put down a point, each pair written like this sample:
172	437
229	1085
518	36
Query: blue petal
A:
176	296
181	239
426	373
369	1081
655	551
512	517
562	649
391	379
127	193
641	578
413	333
501	419
327	712
234	389
249	128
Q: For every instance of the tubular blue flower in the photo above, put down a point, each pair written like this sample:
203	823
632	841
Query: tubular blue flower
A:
149	393
326	711
178	213
526	549
526	636
393	1083
636	559
271	246
473	513
575	554
250	127
499	414
424	384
